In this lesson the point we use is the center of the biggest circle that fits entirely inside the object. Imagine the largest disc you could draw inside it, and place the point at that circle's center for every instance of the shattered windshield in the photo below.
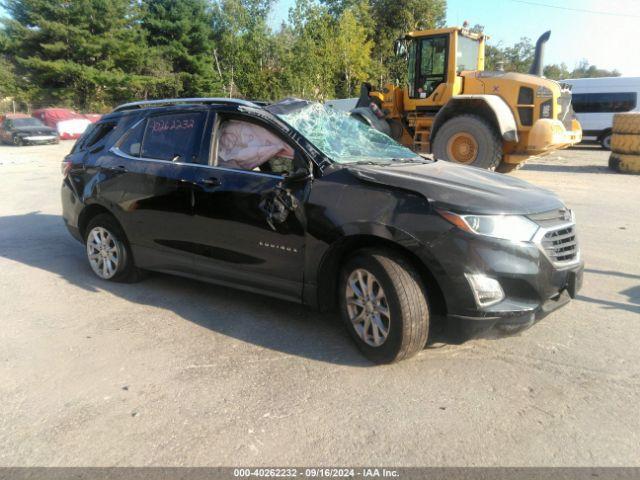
(344, 139)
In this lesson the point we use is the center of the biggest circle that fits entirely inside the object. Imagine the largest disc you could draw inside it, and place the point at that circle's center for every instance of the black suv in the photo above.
(304, 203)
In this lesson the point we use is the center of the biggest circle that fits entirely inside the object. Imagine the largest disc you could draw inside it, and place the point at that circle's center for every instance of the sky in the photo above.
(606, 40)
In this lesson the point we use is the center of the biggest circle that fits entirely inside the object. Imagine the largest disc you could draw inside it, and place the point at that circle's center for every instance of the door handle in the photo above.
(209, 182)
(118, 168)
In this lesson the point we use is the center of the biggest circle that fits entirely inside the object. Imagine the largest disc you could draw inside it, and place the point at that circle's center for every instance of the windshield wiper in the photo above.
(411, 160)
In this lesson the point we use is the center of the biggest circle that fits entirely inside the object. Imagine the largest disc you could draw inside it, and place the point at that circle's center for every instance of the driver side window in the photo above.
(244, 145)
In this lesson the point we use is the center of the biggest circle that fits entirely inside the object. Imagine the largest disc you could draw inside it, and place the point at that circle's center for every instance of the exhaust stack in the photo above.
(538, 58)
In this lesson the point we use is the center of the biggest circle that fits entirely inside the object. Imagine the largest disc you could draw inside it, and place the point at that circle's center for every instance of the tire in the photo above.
(18, 141)
(115, 251)
(624, 163)
(605, 140)
(626, 123)
(625, 143)
(403, 298)
(509, 167)
(488, 144)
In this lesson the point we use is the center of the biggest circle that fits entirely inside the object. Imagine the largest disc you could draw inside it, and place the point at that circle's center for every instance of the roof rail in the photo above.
(177, 101)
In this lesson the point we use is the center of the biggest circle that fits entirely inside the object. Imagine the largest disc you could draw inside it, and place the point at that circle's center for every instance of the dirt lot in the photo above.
(176, 372)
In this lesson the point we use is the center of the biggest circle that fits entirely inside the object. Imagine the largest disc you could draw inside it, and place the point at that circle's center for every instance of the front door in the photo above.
(249, 221)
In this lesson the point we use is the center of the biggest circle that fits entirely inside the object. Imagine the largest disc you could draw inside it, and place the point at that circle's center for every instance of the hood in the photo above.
(525, 78)
(42, 129)
(462, 189)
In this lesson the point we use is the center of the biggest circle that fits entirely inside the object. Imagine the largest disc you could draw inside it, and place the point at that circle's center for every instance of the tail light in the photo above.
(65, 167)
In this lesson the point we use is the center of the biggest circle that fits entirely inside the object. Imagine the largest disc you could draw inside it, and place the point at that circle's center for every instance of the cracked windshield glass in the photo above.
(344, 139)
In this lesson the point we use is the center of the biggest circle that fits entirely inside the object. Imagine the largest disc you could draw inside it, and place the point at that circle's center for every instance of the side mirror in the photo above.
(300, 175)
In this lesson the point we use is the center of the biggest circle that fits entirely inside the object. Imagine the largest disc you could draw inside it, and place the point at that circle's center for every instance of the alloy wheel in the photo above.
(104, 252)
(367, 307)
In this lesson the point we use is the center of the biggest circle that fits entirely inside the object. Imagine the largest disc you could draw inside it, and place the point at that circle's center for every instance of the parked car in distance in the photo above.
(596, 100)
(69, 124)
(21, 129)
(308, 204)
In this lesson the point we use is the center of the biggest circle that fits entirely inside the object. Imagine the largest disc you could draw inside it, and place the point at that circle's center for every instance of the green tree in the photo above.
(584, 70)
(83, 53)
(353, 50)
(246, 49)
(179, 35)
(312, 66)
(556, 72)
(394, 18)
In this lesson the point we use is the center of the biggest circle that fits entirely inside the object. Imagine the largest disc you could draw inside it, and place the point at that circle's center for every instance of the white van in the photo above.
(595, 100)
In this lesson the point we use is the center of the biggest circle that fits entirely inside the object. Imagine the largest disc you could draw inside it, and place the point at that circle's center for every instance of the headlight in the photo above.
(508, 227)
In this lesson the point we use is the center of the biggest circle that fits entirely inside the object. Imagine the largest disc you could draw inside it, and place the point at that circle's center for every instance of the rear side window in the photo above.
(173, 137)
(604, 102)
(98, 133)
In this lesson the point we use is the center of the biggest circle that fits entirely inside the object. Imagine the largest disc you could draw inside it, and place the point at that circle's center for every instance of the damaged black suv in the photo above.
(304, 203)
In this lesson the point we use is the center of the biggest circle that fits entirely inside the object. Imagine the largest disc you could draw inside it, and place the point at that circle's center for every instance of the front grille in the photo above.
(561, 245)
(557, 236)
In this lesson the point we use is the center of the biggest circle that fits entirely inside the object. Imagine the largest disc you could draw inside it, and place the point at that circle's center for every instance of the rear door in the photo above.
(154, 166)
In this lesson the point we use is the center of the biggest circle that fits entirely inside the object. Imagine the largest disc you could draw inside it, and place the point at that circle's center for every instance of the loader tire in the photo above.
(626, 123)
(625, 163)
(625, 143)
(469, 140)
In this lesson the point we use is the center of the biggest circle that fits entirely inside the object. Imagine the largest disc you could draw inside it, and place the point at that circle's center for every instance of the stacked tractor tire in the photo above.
(625, 143)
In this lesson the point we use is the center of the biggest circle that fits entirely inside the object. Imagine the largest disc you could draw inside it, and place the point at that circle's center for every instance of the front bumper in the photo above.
(533, 286)
(39, 139)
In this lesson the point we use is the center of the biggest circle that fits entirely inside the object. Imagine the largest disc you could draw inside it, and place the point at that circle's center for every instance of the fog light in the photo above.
(487, 291)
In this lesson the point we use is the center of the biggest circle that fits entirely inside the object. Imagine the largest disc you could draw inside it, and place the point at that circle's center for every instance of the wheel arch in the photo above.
(89, 212)
(347, 246)
(604, 133)
(489, 107)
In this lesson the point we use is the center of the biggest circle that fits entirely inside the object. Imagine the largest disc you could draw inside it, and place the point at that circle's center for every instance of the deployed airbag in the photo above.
(246, 145)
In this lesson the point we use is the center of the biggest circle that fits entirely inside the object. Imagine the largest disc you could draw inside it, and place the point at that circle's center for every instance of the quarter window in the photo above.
(604, 102)
(173, 137)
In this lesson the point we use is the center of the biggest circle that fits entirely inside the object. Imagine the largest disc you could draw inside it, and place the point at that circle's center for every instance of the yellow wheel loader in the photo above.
(454, 109)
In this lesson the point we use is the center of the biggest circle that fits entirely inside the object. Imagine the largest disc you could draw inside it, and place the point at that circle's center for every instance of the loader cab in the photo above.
(435, 59)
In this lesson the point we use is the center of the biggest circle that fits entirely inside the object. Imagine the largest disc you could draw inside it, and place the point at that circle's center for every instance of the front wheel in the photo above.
(383, 306)
(470, 140)
(18, 141)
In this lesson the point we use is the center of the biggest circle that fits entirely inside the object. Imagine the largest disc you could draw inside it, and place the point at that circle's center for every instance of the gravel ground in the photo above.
(175, 372)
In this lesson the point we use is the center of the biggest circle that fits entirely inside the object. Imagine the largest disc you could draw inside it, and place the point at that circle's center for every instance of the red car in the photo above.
(69, 124)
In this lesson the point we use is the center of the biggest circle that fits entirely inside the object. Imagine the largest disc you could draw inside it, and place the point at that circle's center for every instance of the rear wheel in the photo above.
(108, 250)
(470, 140)
(605, 140)
(384, 306)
